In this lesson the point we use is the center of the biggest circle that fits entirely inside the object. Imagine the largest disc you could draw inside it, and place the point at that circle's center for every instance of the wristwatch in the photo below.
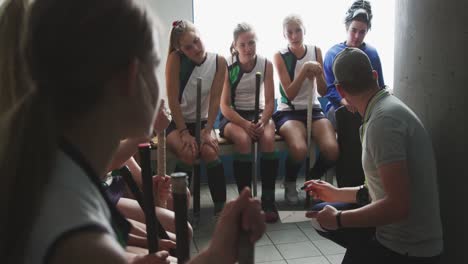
(362, 196)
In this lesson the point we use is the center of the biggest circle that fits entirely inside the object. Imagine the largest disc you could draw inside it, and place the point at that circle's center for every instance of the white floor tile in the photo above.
(304, 225)
(267, 253)
(273, 262)
(335, 259)
(298, 250)
(292, 243)
(286, 236)
(312, 234)
(328, 247)
(279, 226)
(263, 241)
(309, 260)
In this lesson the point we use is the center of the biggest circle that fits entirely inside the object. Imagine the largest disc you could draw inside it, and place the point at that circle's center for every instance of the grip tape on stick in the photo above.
(309, 162)
(161, 161)
(246, 249)
(138, 195)
(148, 199)
(310, 99)
(198, 112)
(258, 78)
(179, 187)
(196, 170)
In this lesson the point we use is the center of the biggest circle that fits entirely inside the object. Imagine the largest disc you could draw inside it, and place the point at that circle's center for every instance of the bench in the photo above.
(226, 148)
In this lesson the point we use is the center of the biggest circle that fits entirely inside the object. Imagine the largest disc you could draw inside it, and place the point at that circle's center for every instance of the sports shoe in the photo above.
(290, 193)
(218, 208)
(271, 212)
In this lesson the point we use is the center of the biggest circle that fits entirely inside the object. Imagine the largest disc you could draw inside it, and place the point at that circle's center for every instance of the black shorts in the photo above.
(280, 117)
(116, 189)
(246, 114)
(190, 126)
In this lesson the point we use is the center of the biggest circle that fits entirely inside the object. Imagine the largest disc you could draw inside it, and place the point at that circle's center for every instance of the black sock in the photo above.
(269, 172)
(292, 169)
(321, 166)
(216, 181)
(242, 174)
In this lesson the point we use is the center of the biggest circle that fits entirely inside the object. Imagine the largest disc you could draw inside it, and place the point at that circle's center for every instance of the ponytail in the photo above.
(172, 41)
(27, 151)
(233, 50)
(179, 27)
(240, 28)
(13, 81)
(27, 137)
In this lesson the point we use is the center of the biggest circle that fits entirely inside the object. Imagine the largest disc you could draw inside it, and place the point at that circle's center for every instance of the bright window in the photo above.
(323, 20)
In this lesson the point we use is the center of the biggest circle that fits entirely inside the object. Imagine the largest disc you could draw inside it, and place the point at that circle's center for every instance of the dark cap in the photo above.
(352, 66)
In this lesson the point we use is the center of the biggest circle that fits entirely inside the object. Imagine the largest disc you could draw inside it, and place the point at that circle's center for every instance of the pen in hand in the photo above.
(308, 185)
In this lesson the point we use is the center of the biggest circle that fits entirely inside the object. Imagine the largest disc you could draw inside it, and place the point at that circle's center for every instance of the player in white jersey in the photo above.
(238, 110)
(300, 69)
(187, 61)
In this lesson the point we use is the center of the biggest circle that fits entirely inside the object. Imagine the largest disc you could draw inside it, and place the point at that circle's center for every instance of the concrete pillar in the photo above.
(431, 76)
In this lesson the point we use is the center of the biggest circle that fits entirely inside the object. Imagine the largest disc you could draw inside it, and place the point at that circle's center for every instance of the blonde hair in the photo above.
(293, 18)
(239, 29)
(69, 60)
(12, 71)
(179, 27)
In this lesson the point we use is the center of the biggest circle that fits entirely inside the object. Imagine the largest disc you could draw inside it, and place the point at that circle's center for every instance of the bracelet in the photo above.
(338, 219)
(362, 196)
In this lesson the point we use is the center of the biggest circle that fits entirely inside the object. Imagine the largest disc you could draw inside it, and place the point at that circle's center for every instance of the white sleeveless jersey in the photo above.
(243, 84)
(293, 66)
(189, 72)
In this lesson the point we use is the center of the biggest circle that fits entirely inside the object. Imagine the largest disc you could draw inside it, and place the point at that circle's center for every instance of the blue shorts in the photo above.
(116, 189)
(246, 114)
(190, 126)
(280, 117)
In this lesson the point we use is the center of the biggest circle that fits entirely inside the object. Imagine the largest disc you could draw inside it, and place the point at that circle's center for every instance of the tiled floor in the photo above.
(283, 243)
